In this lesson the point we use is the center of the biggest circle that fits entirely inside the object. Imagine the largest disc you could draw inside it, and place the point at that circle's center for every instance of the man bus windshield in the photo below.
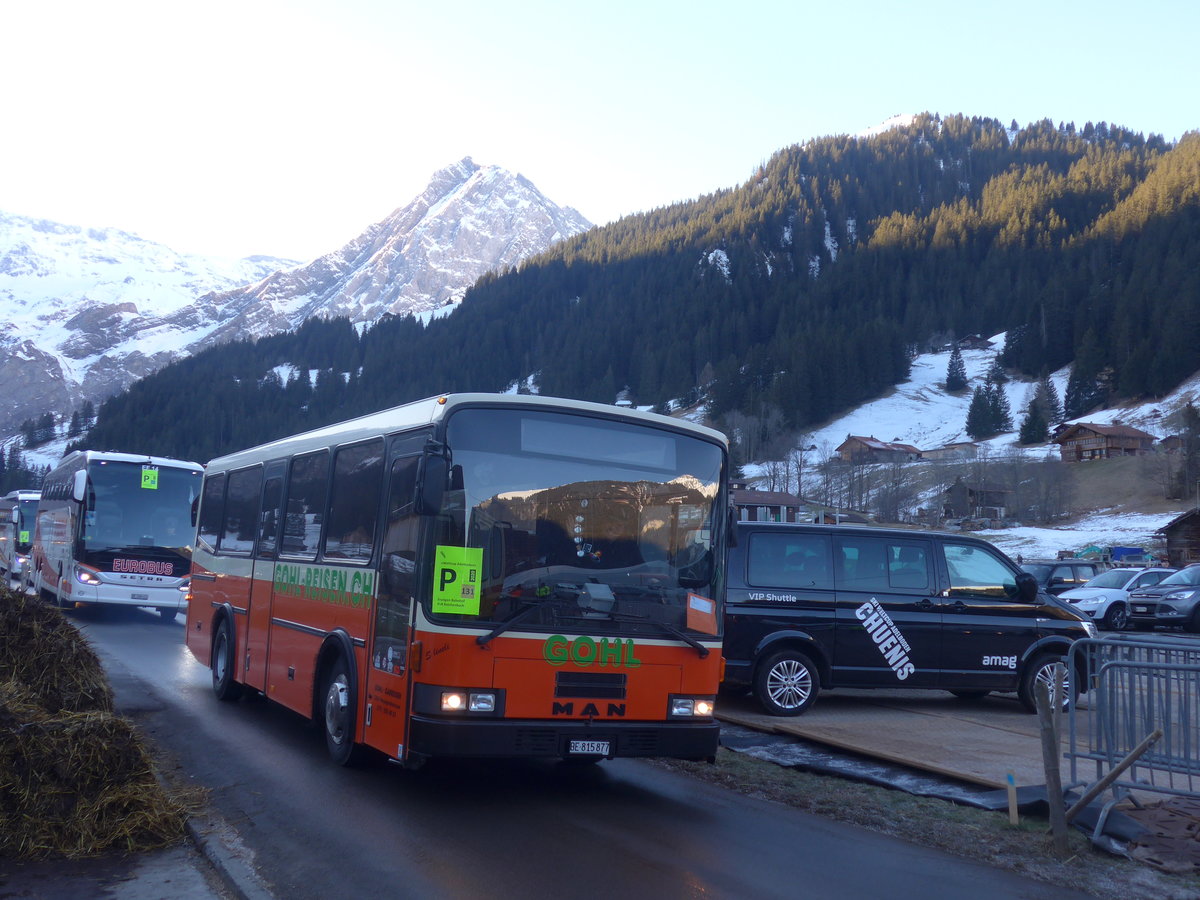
(572, 523)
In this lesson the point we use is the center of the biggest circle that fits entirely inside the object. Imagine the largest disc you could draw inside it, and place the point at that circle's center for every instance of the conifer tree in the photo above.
(956, 372)
(1034, 428)
(979, 416)
(998, 408)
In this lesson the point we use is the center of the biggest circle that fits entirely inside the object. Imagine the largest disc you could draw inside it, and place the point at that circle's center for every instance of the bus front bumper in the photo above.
(526, 738)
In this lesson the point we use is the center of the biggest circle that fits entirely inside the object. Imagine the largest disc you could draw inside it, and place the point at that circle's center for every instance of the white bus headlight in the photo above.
(482, 703)
(453, 701)
(691, 707)
(86, 574)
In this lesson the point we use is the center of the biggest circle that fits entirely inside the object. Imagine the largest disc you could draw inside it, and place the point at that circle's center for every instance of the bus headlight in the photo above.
(481, 702)
(185, 585)
(692, 707)
(86, 574)
(475, 701)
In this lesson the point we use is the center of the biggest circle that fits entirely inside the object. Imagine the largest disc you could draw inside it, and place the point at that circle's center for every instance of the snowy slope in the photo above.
(921, 413)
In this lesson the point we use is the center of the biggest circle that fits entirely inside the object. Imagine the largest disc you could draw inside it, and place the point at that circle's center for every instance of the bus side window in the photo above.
(268, 517)
(212, 510)
(305, 507)
(354, 505)
(397, 568)
(241, 510)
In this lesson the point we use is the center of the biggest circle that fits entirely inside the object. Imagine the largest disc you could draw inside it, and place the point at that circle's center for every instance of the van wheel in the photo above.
(786, 683)
(223, 664)
(1116, 618)
(1039, 676)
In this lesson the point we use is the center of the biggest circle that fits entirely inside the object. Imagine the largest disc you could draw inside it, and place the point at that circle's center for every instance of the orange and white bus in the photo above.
(473, 575)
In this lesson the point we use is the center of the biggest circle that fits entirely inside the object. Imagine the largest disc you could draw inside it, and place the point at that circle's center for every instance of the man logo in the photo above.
(1009, 662)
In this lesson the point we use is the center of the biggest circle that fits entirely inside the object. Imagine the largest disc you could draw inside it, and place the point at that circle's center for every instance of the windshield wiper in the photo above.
(664, 626)
(521, 614)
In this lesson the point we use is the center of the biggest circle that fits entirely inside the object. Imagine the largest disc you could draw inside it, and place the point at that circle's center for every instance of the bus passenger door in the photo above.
(386, 721)
(254, 656)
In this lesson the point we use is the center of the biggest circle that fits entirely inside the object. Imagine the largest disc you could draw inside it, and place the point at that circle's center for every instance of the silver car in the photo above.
(1106, 597)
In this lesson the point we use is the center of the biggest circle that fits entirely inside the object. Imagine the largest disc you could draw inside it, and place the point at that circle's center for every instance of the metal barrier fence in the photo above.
(1138, 684)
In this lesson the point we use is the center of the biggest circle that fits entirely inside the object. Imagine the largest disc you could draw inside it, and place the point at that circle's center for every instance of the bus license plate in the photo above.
(141, 596)
(592, 748)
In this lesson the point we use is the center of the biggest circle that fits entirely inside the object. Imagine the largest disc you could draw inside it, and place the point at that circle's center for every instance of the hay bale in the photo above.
(44, 652)
(78, 784)
(75, 779)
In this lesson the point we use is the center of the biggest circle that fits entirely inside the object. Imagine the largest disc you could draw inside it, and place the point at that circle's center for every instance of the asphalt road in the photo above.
(497, 829)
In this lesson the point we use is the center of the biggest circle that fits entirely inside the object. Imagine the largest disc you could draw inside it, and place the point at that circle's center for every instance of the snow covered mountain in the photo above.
(86, 311)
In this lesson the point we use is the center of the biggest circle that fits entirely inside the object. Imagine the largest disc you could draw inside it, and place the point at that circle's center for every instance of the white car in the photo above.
(1106, 597)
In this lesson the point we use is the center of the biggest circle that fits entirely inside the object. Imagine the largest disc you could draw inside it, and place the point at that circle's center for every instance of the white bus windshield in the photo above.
(130, 505)
(567, 520)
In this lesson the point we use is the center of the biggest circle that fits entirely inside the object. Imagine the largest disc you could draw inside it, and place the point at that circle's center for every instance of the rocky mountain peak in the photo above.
(89, 311)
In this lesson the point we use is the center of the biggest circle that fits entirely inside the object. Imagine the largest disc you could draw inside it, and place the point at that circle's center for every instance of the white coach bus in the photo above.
(18, 510)
(115, 528)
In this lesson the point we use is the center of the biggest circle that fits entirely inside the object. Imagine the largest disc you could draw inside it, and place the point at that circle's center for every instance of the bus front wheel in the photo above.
(223, 664)
(338, 712)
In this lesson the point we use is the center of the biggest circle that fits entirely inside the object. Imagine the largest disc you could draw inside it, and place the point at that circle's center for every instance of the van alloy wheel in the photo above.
(786, 684)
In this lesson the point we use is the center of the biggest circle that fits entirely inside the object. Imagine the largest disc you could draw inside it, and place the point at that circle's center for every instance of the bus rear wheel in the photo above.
(338, 712)
(223, 664)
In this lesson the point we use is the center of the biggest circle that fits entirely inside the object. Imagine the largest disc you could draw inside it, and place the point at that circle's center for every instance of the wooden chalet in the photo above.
(962, 501)
(767, 506)
(1183, 538)
(859, 449)
(974, 342)
(1086, 440)
(961, 450)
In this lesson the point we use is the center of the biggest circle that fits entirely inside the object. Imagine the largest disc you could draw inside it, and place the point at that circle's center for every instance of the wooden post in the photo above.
(1046, 700)
(1013, 818)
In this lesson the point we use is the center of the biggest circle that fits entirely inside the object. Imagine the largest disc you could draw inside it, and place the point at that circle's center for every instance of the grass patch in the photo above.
(964, 831)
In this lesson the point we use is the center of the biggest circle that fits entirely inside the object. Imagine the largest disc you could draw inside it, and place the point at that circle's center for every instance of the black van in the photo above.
(812, 606)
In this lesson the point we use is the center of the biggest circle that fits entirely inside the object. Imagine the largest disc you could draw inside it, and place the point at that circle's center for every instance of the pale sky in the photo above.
(286, 127)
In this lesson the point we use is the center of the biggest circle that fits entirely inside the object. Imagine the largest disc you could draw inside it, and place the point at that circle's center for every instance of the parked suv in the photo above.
(1173, 601)
(1061, 575)
(1106, 597)
(829, 606)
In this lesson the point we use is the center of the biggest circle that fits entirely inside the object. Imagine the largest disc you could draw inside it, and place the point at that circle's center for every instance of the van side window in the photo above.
(241, 511)
(305, 507)
(862, 564)
(908, 566)
(974, 572)
(871, 564)
(354, 506)
(789, 560)
(212, 510)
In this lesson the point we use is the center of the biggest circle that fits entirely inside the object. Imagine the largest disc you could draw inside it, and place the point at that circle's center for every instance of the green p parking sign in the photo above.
(456, 573)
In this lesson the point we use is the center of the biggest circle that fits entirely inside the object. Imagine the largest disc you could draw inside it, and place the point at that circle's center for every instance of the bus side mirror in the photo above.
(731, 525)
(79, 486)
(435, 469)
